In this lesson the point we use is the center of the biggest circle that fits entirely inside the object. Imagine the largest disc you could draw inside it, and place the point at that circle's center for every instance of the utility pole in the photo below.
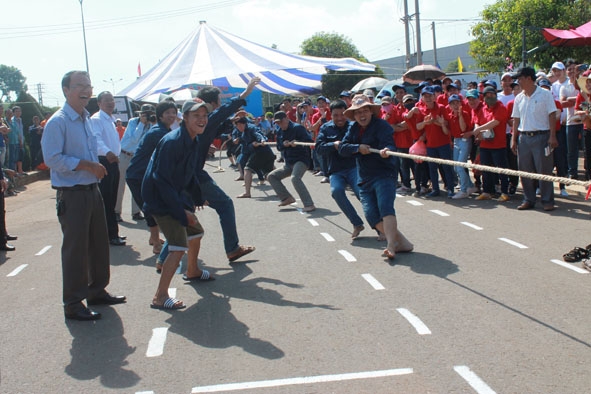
(418, 22)
(406, 34)
(40, 93)
(434, 45)
(84, 34)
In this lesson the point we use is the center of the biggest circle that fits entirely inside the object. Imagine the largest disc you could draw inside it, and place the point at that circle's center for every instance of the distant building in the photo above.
(394, 67)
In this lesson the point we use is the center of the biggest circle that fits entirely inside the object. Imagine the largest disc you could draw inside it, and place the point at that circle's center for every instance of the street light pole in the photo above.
(112, 82)
(84, 35)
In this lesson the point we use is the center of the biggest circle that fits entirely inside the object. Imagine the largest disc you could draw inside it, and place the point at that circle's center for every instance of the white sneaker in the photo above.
(472, 190)
(460, 195)
(563, 193)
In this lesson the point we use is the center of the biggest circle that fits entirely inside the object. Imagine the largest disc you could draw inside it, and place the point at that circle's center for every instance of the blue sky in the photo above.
(44, 38)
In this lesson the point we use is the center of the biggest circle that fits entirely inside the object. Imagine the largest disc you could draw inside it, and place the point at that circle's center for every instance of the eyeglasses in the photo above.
(80, 86)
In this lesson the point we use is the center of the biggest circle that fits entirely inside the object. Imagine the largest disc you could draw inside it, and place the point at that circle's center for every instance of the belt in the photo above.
(534, 133)
(127, 153)
(76, 187)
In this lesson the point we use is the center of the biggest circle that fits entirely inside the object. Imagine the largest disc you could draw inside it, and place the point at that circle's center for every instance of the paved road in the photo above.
(482, 305)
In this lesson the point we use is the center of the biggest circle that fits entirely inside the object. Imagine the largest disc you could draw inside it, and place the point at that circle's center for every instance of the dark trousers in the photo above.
(3, 232)
(108, 186)
(511, 161)
(135, 186)
(560, 154)
(85, 246)
(494, 158)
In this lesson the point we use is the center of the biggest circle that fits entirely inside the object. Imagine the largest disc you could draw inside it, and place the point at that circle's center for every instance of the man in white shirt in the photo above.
(534, 123)
(109, 148)
(574, 123)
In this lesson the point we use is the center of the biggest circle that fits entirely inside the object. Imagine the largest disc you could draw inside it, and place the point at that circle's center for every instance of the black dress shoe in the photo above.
(137, 216)
(118, 217)
(107, 299)
(11, 237)
(83, 314)
(117, 241)
(7, 247)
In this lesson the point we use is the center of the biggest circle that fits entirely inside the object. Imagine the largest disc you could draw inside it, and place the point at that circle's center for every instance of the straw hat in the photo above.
(360, 101)
(582, 81)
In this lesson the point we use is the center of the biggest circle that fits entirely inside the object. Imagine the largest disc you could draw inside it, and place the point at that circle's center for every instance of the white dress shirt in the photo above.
(107, 137)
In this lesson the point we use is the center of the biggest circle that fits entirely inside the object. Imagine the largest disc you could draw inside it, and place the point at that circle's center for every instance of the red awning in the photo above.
(580, 36)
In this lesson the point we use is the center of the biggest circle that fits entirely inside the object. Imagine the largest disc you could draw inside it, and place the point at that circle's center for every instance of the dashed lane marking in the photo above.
(327, 237)
(421, 328)
(313, 222)
(18, 269)
(570, 266)
(475, 227)
(517, 244)
(438, 212)
(348, 256)
(144, 392)
(415, 203)
(42, 251)
(156, 344)
(473, 380)
(373, 282)
(301, 380)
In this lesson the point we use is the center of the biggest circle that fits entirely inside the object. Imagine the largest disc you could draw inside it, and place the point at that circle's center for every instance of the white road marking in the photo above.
(301, 380)
(172, 292)
(473, 380)
(313, 222)
(475, 227)
(348, 256)
(42, 251)
(520, 246)
(415, 203)
(156, 344)
(421, 328)
(570, 266)
(373, 282)
(438, 212)
(18, 269)
(327, 237)
(144, 392)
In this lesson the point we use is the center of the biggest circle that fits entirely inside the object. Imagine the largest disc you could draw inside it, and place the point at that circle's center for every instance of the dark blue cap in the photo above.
(453, 97)
(384, 93)
(427, 90)
(544, 82)
(345, 93)
(491, 83)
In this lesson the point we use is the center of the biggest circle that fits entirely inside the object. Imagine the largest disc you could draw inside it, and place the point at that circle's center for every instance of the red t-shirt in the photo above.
(434, 133)
(558, 107)
(453, 122)
(496, 112)
(402, 139)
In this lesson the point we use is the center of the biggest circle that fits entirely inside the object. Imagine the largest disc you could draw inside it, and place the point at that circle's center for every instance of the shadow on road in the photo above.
(99, 349)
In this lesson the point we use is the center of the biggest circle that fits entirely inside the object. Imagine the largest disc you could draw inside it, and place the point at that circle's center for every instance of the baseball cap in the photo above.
(505, 75)
(279, 115)
(422, 86)
(453, 97)
(491, 83)
(427, 90)
(472, 93)
(192, 106)
(321, 98)
(489, 89)
(384, 93)
(525, 72)
(345, 93)
(544, 82)
(368, 93)
(437, 88)
(558, 65)
(408, 97)
(452, 86)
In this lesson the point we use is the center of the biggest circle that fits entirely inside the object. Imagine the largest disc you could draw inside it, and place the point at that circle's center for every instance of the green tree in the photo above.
(336, 45)
(498, 38)
(452, 67)
(30, 107)
(11, 80)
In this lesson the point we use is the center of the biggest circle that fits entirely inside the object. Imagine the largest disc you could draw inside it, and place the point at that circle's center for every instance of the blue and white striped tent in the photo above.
(213, 57)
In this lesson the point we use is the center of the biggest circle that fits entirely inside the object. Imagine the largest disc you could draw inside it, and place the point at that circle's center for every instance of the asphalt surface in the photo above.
(482, 305)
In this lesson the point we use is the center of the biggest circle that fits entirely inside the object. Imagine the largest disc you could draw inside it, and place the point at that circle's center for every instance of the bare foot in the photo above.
(357, 230)
(389, 254)
(289, 200)
(243, 195)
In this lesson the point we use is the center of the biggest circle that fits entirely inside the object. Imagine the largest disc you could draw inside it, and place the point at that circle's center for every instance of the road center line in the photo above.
(473, 380)
(475, 227)
(438, 212)
(414, 202)
(570, 266)
(348, 256)
(327, 237)
(421, 328)
(520, 246)
(373, 282)
(144, 392)
(18, 269)
(156, 344)
(313, 222)
(301, 380)
(42, 251)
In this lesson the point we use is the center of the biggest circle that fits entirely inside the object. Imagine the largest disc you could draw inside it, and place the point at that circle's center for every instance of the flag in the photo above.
(460, 66)
(139, 69)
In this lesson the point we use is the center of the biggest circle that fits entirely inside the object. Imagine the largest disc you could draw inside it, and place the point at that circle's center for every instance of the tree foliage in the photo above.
(452, 67)
(336, 45)
(498, 38)
(11, 80)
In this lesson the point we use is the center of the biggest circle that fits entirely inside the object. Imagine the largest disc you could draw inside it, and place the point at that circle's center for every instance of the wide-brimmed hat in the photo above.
(582, 81)
(360, 101)
(146, 108)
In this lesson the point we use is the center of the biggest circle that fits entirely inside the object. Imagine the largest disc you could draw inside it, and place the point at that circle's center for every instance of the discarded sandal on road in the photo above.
(241, 251)
(576, 254)
(587, 264)
(205, 277)
(170, 303)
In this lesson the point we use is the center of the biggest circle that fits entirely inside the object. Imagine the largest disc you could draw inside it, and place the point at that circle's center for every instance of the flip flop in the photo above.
(170, 303)
(205, 277)
(242, 251)
(575, 255)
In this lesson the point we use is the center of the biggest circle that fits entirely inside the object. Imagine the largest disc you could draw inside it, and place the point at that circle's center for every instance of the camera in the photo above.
(152, 118)
(585, 106)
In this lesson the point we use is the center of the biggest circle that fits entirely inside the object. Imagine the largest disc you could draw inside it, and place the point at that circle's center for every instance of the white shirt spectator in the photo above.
(533, 111)
(107, 137)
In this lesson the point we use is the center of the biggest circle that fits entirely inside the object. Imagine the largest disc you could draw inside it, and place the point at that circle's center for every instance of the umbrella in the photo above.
(369, 83)
(419, 73)
(580, 36)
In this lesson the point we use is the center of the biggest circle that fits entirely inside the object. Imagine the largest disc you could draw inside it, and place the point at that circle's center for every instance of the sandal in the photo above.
(575, 255)
(587, 264)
